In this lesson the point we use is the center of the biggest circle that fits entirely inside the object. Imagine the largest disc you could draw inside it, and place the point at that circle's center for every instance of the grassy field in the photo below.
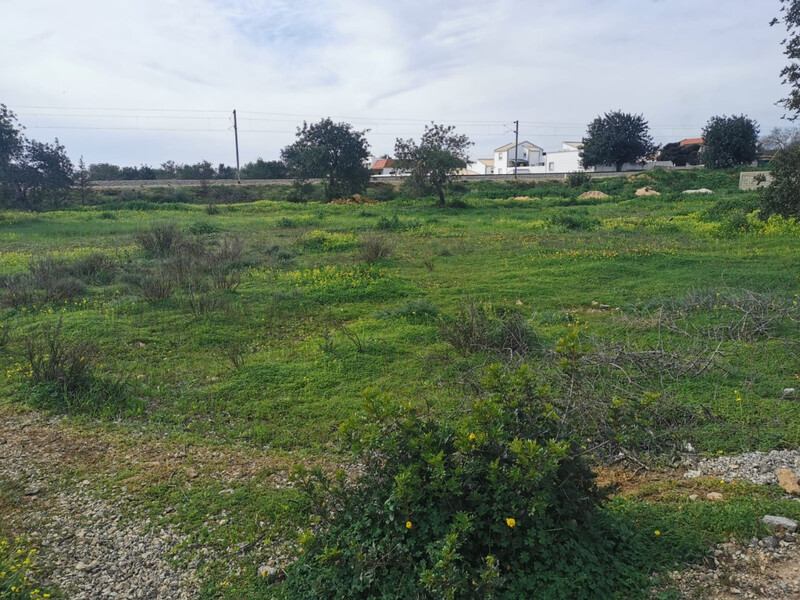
(657, 321)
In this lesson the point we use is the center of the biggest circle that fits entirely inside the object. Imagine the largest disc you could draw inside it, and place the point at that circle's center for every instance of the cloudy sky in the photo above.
(156, 80)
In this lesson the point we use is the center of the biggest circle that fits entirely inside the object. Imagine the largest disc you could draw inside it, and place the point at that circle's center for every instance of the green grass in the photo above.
(315, 327)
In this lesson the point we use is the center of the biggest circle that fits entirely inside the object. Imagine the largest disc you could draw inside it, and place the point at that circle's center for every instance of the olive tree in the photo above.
(433, 162)
(729, 141)
(617, 138)
(334, 152)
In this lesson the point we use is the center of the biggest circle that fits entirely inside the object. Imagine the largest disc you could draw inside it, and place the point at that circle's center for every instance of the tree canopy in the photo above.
(730, 141)
(332, 151)
(680, 155)
(31, 173)
(790, 17)
(439, 155)
(617, 138)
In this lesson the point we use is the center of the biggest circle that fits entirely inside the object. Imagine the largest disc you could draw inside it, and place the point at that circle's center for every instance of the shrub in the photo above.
(159, 239)
(382, 192)
(155, 287)
(202, 228)
(575, 220)
(578, 179)
(95, 268)
(57, 361)
(416, 311)
(17, 291)
(478, 328)
(375, 247)
(495, 503)
(782, 197)
(56, 278)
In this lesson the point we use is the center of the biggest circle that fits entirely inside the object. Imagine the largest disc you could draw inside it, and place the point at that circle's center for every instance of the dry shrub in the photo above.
(375, 247)
(160, 239)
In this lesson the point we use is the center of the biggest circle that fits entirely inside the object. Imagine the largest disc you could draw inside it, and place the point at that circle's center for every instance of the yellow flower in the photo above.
(471, 437)
(657, 532)
(409, 524)
(511, 522)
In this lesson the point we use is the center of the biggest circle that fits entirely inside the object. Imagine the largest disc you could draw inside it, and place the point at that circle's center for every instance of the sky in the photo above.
(156, 80)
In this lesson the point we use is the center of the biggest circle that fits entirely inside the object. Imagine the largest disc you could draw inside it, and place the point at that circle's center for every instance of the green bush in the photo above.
(495, 503)
(782, 197)
(159, 239)
(575, 220)
(479, 328)
(578, 179)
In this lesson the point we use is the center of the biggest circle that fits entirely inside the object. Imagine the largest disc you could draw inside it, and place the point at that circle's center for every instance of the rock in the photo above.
(700, 191)
(788, 392)
(714, 496)
(775, 522)
(693, 497)
(592, 194)
(647, 191)
(33, 491)
(787, 479)
(191, 473)
(226, 491)
(267, 571)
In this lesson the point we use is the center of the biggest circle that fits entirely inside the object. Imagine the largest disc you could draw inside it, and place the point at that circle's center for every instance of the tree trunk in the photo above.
(440, 191)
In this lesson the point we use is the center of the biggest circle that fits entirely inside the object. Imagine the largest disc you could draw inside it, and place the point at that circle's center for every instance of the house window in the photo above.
(551, 167)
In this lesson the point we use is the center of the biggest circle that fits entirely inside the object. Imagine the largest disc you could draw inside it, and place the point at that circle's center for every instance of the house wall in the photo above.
(563, 162)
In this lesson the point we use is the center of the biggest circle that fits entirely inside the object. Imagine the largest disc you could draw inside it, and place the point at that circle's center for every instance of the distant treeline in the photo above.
(259, 169)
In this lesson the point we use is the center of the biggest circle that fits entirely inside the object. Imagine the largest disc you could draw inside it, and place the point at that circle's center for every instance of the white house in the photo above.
(525, 153)
(566, 160)
(482, 166)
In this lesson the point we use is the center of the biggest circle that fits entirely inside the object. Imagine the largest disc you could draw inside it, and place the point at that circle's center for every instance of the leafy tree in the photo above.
(104, 172)
(729, 141)
(782, 197)
(681, 155)
(432, 163)
(332, 151)
(790, 17)
(617, 138)
(264, 169)
(32, 173)
(779, 138)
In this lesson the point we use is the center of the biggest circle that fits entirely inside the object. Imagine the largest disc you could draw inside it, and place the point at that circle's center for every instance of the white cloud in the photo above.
(553, 66)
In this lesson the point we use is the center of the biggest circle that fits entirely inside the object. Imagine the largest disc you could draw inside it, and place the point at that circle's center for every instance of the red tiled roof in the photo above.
(383, 163)
(692, 141)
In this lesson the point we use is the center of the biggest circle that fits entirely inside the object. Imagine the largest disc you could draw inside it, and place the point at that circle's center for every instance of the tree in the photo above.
(782, 197)
(617, 138)
(264, 169)
(32, 173)
(680, 155)
(790, 17)
(729, 141)
(83, 181)
(332, 151)
(432, 163)
(780, 138)
(104, 172)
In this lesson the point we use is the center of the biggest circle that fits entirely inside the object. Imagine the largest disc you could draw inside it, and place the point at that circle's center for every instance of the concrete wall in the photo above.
(748, 181)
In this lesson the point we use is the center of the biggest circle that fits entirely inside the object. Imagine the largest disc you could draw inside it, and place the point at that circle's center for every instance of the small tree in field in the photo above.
(433, 162)
(790, 17)
(617, 138)
(730, 141)
(83, 182)
(332, 151)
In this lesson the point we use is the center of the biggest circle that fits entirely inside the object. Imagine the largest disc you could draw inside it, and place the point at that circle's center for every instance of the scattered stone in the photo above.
(788, 392)
(782, 523)
(647, 191)
(267, 571)
(226, 491)
(714, 496)
(787, 479)
(755, 467)
(700, 191)
(693, 497)
(33, 491)
(191, 473)
(592, 194)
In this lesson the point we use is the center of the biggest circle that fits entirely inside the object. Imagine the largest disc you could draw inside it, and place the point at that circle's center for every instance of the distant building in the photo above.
(384, 166)
(525, 154)
(692, 142)
(482, 166)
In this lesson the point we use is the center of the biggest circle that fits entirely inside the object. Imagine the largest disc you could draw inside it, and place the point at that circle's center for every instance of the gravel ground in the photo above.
(755, 467)
(91, 551)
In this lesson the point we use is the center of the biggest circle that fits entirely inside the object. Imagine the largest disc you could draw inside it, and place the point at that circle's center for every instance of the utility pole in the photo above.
(236, 137)
(516, 144)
